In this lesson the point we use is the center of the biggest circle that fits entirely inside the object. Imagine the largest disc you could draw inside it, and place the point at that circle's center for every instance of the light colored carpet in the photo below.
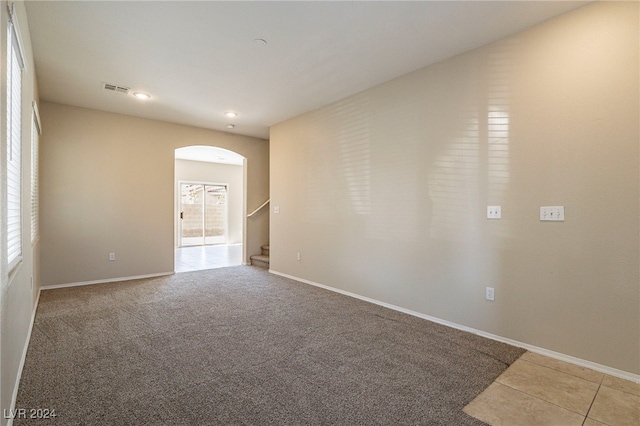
(241, 346)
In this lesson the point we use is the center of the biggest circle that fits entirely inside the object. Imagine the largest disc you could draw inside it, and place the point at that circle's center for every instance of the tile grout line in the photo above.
(599, 383)
(593, 400)
(617, 389)
(568, 373)
(547, 402)
(572, 375)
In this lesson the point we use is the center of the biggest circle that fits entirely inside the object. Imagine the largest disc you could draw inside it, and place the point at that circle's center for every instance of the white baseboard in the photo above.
(542, 351)
(110, 280)
(16, 386)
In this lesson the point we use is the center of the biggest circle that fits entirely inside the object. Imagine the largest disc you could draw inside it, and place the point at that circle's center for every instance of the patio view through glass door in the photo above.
(203, 214)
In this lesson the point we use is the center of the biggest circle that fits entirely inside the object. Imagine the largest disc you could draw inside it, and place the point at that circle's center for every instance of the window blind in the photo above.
(35, 153)
(15, 65)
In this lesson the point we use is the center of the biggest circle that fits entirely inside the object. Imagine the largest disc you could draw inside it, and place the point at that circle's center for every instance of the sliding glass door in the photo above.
(203, 214)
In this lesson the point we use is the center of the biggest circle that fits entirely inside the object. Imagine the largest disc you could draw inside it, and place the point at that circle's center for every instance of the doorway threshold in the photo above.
(197, 258)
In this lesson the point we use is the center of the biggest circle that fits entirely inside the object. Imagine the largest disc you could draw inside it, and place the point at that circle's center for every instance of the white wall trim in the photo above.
(23, 359)
(111, 280)
(542, 351)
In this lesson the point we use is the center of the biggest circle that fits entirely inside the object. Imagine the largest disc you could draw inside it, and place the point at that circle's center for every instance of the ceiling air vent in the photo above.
(115, 88)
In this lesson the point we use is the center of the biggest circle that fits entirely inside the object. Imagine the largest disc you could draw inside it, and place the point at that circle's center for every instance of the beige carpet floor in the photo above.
(241, 346)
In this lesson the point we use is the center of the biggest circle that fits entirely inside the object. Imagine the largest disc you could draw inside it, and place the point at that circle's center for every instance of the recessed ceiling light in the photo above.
(230, 126)
(231, 114)
(141, 95)
(260, 41)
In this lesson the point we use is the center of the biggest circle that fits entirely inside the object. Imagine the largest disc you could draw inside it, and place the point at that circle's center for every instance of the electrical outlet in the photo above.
(276, 209)
(494, 212)
(490, 293)
(298, 257)
(112, 256)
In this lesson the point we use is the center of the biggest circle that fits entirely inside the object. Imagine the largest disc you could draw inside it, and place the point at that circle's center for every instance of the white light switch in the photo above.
(490, 294)
(494, 212)
(553, 213)
(276, 209)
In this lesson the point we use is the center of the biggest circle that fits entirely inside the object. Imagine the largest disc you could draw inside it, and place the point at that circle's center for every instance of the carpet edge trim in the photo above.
(532, 348)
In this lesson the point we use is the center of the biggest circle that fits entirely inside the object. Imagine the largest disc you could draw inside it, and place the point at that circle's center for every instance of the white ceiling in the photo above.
(198, 59)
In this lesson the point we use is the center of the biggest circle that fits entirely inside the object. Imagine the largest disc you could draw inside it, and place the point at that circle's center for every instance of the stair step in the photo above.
(265, 250)
(259, 260)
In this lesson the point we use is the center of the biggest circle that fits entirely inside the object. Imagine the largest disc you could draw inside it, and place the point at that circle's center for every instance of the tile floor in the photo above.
(537, 390)
(197, 258)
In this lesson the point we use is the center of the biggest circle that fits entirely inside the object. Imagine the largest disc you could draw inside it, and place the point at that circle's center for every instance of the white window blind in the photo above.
(15, 65)
(35, 153)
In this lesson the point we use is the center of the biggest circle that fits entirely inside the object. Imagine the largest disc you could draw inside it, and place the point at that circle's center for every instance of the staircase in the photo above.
(262, 259)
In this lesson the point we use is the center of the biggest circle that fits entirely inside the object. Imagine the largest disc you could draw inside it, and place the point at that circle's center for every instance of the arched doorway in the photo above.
(210, 194)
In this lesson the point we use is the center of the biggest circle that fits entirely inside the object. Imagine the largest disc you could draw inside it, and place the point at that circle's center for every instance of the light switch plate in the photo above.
(552, 213)
(276, 209)
(494, 212)
(490, 294)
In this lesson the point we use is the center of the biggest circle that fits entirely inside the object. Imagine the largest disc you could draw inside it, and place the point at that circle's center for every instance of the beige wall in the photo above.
(19, 287)
(202, 172)
(384, 194)
(108, 186)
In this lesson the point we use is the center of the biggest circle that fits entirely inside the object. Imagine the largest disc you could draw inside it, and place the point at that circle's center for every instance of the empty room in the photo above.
(311, 212)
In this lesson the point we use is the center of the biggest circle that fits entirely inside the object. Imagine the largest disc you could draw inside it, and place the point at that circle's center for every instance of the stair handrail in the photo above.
(259, 208)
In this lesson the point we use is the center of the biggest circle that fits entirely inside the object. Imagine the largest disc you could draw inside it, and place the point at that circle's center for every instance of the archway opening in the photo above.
(210, 199)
